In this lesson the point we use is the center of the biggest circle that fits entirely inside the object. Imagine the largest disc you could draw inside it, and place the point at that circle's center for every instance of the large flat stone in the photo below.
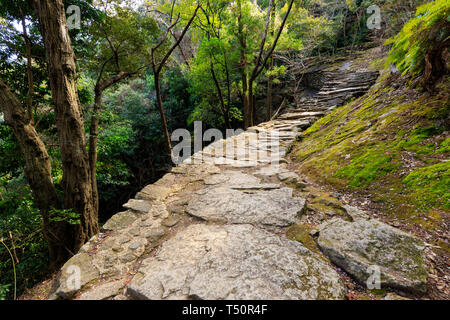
(288, 177)
(154, 192)
(270, 170)
(140, 206)
(234, 262)
(231, 178)
(103, 291)
(75, 274)
(268, 207)
(119, 221)
(360, 246)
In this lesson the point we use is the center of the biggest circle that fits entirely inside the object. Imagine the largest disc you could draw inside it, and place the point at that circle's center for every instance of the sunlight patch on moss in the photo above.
(364, 169)
(431, 184)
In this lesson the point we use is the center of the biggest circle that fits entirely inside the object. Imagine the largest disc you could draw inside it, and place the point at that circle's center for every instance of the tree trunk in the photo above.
(100, 87)
(93, 141)
(435, 65)
(76, 181)
(270, 81)
(161, 112)
(37, 171)
(157, 68)
(244, 67)
(220, 93)
(29, 69)
(251, 103)
(269, 92)
(246, 100)
(227, 72)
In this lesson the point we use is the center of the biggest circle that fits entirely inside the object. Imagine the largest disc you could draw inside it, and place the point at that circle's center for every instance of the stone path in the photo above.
(213, 228)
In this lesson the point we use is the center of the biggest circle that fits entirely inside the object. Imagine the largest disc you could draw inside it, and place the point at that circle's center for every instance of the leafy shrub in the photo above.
(20, 227)
(4, 289)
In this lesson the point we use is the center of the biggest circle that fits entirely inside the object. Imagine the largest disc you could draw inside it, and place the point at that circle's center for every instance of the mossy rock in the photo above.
(301, 233)
(324, 203)
(359, 247)
(74, 275)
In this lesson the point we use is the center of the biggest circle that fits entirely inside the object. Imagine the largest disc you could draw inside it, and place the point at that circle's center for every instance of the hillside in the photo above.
(387, 152)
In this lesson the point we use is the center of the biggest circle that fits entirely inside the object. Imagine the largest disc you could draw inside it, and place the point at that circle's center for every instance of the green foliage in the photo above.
(131, 138)
(10, 151)
(66, 215)
(85, 92)
(4, 289)
(126, 30)
(19, 219)
(316, 33)
(428, 28)
(217, 55)
(179, 98)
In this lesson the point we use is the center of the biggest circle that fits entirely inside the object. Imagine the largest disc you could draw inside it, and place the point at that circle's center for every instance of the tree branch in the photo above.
(186, 28)
(280, 31)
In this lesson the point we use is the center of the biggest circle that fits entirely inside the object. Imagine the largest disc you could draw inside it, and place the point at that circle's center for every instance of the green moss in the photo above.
(414, 141)
(365, 168)
(444, 146)
(438, 108)
(377, 64)
(300, 233)
(431, 184)
(378, 292)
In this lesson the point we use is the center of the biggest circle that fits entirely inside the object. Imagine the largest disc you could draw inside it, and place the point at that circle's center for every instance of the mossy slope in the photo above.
(391, 145)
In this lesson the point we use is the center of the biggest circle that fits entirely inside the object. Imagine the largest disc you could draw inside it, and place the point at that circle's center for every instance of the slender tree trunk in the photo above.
(251, 103)
(262, 61)
(246, 108)
(93, 141)
(227, 72)
(270, 81)
(220, 93)
(244, 67)
(37, 171)
(29, 69)
(161, 112)
(76, 181)
(100, 87)
(157, 68)
(269, 92)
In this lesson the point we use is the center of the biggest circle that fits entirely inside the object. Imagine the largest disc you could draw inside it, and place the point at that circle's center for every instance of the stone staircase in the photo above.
(213, 228)
(338, 87)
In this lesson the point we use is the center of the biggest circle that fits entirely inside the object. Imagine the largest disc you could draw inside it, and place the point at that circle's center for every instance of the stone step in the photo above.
(300, 115)
(327, 93)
